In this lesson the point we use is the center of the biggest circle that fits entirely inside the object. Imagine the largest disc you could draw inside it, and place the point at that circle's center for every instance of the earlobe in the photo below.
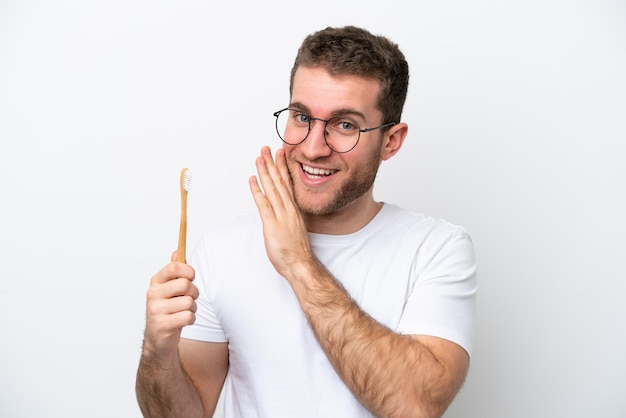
(394, 140)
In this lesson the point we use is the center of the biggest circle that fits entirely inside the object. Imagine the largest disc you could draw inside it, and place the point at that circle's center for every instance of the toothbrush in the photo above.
(185, 178)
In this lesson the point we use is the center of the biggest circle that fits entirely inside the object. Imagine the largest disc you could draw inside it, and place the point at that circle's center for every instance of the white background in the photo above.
(517, 115)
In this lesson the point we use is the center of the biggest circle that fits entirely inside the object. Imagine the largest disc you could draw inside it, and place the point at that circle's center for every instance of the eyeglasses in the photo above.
(341, 133)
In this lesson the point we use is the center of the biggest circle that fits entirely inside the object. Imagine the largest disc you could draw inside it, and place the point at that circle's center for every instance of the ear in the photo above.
(394, 138)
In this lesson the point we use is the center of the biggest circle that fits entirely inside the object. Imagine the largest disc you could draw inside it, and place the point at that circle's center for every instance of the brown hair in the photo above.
(356, 51)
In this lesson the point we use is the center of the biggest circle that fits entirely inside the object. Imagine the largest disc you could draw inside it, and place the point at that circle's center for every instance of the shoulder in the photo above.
(410, 222)
(428, 240)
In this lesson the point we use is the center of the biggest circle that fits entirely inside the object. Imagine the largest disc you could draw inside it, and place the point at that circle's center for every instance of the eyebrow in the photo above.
(334, 113)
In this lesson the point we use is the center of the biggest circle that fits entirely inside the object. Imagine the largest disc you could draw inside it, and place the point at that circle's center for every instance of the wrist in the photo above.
(304, 270)
(164, 357)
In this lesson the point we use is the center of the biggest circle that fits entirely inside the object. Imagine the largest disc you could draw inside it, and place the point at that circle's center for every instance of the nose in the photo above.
(315, 144)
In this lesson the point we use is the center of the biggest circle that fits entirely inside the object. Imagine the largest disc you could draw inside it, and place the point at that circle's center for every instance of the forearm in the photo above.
(392, 375)
(164, 390)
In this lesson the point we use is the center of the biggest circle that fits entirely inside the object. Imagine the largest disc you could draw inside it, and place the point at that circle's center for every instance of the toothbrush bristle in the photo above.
(186, 180)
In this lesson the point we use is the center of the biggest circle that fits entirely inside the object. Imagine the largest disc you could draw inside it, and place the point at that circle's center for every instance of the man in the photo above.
(324, 302)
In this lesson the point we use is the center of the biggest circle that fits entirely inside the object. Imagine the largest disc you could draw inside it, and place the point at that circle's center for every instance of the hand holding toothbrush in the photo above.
(171, 297)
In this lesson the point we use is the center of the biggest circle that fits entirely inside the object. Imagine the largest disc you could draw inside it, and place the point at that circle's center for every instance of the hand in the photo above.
(286, 237)
(170, 306)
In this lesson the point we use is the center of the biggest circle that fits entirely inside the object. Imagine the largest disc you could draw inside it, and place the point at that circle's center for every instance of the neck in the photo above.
(346, 220)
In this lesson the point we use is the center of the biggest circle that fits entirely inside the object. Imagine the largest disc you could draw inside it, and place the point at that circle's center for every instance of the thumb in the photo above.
(173, 257)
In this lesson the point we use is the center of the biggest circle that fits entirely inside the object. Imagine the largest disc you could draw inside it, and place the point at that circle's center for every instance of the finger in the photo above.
(281, 164)
(168, 306)
(182, 319)
(264, 206)
(275, 187)
(170, 324)
(181, 287)
(265, 166)
(180, 304)
(172, 271)
(171, 289)
(275, 167)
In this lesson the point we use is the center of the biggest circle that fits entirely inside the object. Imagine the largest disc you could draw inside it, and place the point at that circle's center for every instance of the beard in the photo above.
(356, 186)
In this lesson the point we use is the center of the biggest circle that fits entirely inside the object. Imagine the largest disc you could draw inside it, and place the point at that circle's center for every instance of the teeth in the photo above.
(317, 171)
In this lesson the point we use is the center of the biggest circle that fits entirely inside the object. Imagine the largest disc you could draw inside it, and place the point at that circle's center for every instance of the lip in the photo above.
(312, 176)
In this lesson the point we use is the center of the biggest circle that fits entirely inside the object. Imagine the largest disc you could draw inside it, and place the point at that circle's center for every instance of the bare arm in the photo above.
(393, 375)
(177, 378)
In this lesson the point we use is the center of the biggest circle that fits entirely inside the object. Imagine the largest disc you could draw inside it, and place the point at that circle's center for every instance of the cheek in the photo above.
(362, 158)
(290, 155)
(289, 151)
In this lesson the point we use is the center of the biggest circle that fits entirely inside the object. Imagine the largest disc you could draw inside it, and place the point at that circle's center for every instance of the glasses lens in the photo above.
(292, 126)
(342, 134)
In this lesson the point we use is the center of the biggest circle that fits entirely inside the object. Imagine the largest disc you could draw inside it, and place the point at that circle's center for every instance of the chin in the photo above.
(315, 209)
(322, 204)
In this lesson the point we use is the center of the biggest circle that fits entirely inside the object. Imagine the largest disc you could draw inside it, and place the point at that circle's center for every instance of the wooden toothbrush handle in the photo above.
(181, 255)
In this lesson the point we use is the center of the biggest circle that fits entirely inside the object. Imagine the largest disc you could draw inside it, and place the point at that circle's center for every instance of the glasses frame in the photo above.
(277, 114)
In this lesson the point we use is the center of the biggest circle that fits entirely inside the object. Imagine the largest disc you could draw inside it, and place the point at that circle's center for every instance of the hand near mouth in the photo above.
(284, 230)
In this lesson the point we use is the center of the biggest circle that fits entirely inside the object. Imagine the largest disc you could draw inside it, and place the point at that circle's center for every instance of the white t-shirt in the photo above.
(414, 274)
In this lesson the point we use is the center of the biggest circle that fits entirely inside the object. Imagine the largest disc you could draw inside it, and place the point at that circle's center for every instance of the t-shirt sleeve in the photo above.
(443, 299)
(207, 326)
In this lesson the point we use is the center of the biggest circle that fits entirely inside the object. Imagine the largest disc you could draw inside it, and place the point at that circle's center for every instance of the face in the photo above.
(325, 182)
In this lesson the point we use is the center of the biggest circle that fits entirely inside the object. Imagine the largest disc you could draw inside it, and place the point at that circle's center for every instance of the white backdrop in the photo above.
(517, 129)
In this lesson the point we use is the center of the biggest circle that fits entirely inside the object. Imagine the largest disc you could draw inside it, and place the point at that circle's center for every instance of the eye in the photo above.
(346, 125)
(300, 117)
(343, 125)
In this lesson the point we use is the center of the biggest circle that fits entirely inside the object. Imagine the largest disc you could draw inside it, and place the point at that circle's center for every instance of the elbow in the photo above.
(435, 400)
(431, 396)
(419, 407)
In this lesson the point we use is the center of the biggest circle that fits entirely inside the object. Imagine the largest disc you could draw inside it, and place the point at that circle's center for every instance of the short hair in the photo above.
(355, 51)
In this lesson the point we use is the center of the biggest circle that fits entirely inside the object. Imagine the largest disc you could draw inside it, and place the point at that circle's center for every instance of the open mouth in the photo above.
(317, 173)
